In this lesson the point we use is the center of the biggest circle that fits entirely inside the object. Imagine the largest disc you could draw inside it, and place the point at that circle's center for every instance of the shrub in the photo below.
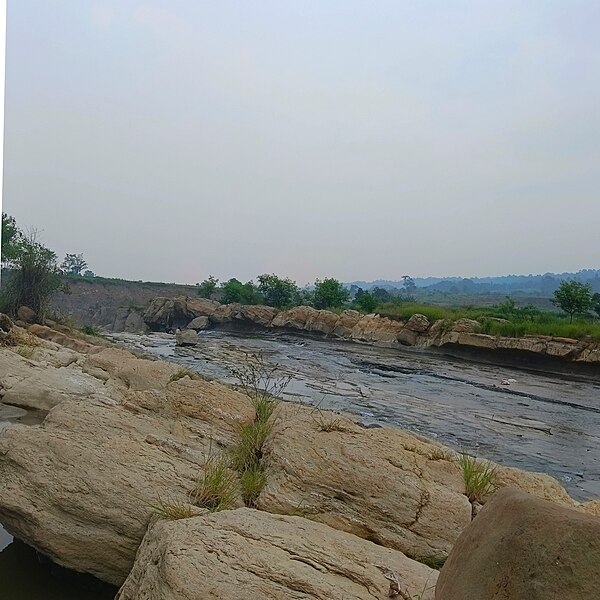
(91, 330)
(183, 373)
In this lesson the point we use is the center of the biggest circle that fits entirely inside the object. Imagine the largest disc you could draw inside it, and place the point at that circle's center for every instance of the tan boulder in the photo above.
(466, 326)
(26, 314)
(380, 484)
(32, 384)
(81, 487)
(186, 337)
(377, 329)
(295, 318)
(63, 339)
(346, 322)
(165, 313)
(131, 372)
(418, 323)
(252, 554)
(199, 323)
(324, 321)
(522, 547)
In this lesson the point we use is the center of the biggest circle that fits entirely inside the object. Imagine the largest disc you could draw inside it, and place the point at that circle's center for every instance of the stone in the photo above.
(26, 314)
(246, 553)
(63, 339)
(377, 329)
(466, 326)
(6, 323)
(418, 323)
(346, 322)
(81, 488)
(295, 318)
(187, 337)
(520, 547)
(368, 482)
(199, 323)
(171, 313)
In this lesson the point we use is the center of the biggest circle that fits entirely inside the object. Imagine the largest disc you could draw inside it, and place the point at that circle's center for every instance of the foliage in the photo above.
(242, 293)
(12, 238)
(208, 287)
(172, 509)
(479, 478)
(34, 277)
(74, 264)
(573, 297)
(596, 304)
(252, 482)
(329, 293)
(216, 489)
(89, 274)
(365, 301)
(278, 292)
(91, 330)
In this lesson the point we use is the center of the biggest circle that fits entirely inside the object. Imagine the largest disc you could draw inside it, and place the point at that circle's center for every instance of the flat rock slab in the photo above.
(246, 553)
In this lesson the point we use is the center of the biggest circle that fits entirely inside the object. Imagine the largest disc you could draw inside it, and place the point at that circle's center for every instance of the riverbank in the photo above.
(127, 439)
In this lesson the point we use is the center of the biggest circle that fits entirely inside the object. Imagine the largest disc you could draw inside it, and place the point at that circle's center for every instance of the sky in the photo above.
(172, 139)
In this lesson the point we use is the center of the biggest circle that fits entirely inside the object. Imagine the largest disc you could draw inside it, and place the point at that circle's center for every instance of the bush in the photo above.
(329, 293)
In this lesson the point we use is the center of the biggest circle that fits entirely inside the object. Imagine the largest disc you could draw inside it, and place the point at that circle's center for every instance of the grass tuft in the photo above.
(91, 330)
(183, 373)
(479, 477)
(217, 487)
(25, 351)
(328, 424)
(172, 510)
(252, 482)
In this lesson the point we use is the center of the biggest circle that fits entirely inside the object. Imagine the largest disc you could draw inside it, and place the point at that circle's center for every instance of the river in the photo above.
(539, 422)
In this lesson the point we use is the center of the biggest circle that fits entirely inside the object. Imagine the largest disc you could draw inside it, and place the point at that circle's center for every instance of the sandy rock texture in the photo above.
(519, 547)
(246, 553)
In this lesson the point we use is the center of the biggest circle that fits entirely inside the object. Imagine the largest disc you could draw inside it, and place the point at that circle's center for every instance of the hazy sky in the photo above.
(171, 139)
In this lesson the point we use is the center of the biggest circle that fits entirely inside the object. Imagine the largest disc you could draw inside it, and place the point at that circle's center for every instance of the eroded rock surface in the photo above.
(251, 554)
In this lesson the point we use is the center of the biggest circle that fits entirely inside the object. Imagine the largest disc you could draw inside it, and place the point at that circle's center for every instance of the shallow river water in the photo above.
(539, 422)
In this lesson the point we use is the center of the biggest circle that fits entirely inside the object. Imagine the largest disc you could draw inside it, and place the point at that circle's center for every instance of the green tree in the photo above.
(241, 293)
(12, 239)
(365, 302)
(596, 303)
(208, 287)
(278, 292)
(573, 297)
(329, 293)
(74, 264)
(34, 276)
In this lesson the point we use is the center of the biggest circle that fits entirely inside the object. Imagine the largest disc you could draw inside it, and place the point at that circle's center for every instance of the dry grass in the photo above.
(25, 351)
(328, 424)
(172, 509)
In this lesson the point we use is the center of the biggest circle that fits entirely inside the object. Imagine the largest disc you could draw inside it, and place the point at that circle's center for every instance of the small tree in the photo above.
(329, 293)
(74, 264)
(34, 277)
(278, 292)
(366, 302)
(208, 287)
(573, 297)
(89, 273)
(12, 239)
(242, 293)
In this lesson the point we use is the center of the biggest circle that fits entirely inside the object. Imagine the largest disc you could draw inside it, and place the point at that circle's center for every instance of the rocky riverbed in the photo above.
(120, 439)
(546, 423)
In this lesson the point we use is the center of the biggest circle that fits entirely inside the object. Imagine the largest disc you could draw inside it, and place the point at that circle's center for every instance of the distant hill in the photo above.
(543, 285)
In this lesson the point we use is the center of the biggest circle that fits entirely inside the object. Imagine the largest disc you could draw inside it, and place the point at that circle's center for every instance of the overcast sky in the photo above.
(171, 139)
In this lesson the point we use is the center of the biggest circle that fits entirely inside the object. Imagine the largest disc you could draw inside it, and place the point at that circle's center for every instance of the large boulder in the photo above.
(522, 547)
(63, 339)
(129, 320)
(33, 384)
(199, 323)
(252, 554)
(244, 314)
(26, 314)
(295, 318)
(81, 488)
(171, 313)
(377, 329)
(346, 322)
(186, 337)
(380, 484)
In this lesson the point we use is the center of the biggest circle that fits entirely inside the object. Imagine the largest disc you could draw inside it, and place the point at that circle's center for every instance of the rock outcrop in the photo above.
(522, 547)
(172, 313)
(252, 554)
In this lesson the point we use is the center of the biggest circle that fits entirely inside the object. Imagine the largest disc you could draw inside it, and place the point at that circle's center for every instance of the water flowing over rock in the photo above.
(251, 554)
(522, 547)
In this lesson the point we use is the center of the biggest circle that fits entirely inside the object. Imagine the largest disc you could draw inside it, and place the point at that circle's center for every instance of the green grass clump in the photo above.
(172, 510)
(91, 330)
(247, 453)
(217, 487)
(183, 373)
(479, 477)
(252, 482)
(25, 351)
